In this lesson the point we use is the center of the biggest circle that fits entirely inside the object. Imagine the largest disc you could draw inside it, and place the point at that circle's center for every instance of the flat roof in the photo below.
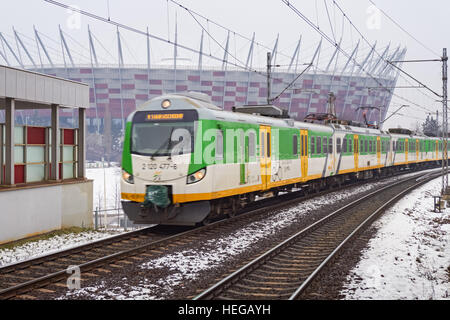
(32, 90)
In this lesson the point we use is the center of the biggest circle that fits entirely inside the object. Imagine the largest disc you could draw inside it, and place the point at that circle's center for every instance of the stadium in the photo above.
(117, 90)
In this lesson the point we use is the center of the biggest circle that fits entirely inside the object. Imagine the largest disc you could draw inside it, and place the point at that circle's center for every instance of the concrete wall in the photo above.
(30, 211)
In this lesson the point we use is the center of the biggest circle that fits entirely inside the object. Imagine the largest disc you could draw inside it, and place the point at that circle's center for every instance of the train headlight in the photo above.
(127, 177)
(196, 176)
(165, 104)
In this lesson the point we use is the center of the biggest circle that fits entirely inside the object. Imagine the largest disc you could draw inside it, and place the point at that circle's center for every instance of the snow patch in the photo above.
(409, 256)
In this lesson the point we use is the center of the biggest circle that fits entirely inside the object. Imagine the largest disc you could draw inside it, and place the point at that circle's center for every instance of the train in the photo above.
(186, 161)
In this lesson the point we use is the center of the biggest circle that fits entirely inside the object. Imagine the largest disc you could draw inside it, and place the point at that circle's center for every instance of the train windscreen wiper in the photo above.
(167, 141)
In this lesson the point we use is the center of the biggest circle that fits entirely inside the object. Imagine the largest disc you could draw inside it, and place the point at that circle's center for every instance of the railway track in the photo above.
(18, 279)
(289, 268)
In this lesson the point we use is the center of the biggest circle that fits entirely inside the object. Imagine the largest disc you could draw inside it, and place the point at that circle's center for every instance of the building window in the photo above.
(32, 153)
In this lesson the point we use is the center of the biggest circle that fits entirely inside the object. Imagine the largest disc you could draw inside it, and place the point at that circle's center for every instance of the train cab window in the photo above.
(294, 145)
(338, 145)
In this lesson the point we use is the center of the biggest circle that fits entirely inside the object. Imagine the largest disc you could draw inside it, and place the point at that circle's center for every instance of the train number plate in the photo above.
(160, 166)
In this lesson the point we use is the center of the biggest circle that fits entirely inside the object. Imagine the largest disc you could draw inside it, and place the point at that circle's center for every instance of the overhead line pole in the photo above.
(445, 123)
(445, 190)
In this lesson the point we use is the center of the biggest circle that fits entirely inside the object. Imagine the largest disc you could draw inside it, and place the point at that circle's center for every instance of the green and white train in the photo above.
(186, 161)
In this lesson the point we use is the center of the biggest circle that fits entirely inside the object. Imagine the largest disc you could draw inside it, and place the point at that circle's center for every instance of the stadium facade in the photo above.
(116, 91)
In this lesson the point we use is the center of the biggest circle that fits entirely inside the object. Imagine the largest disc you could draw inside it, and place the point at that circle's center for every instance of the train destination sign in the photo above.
(165, 116)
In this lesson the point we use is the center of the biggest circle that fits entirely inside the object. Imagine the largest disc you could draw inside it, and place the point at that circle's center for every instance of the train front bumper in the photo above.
(187, 214)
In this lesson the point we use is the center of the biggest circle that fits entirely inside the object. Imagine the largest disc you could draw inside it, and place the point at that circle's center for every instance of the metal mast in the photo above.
(445, 123)
(269, 66)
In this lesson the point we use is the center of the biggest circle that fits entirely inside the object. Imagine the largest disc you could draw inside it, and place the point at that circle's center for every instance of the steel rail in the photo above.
(258, 207)
(61, 253)
(363, 224)
(224, 284)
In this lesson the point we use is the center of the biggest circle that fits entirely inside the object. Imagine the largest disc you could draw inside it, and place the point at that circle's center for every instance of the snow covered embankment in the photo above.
(409, 258)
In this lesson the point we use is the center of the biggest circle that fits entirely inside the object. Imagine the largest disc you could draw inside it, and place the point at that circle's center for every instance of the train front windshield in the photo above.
(162, 133)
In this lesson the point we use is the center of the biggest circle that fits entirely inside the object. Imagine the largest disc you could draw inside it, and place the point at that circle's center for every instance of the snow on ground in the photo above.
(109, 177)
(56, 243)
(187, 265)
(409, 256)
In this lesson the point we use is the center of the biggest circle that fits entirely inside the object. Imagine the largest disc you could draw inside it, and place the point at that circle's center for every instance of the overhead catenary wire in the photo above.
(235, 58)
(404, 30)
(380, 56)
(223, 27)
(326, 37)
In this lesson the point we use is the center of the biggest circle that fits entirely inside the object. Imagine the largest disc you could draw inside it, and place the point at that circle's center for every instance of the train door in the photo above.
(356, 151)
(406, 149)
(417, 150)
(437, 149)
(265, 156)
(378, 151)
(304, 152)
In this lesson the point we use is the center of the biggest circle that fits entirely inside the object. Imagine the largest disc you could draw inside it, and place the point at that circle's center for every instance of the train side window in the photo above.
(251, 145)
(338, 145)
(294, 145)
(262, 153)
(301, 145)
(313, 145)
(268, 144)
(319, 145)
(325, 145)
(344, 145)
(330, 145)
(366, 145)
(305, 146)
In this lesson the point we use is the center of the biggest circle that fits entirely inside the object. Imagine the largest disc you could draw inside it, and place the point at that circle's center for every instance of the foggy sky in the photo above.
(426, 20)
